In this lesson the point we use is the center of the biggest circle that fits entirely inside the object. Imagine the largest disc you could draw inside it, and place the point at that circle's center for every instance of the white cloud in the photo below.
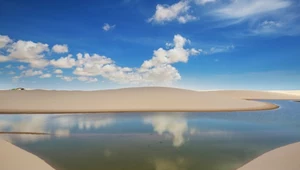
(21, 67)
(268, 27)
(157, 70)
(31, 73)
(3, 58)
(58, 71)
(60, 48)
(87, 79)
(45, 76)
(174, 55)
(174, 124)
(66, 78)
(64, 62)
(29, 52)
(220, 49)
(107, 27)
(4, 40)
(186, 18)
(178, 11)
(41, 63)
(203, 2)
(239, 9)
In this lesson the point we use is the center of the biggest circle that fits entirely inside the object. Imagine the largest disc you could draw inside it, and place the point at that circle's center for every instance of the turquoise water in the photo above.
(154, 141)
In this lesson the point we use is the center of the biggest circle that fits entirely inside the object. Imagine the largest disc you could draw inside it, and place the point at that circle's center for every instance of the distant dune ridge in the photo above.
(143, 99)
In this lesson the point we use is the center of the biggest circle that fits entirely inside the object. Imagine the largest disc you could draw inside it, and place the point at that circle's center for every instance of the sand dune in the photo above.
(260, 95)
(288, 92)
(14, 158)
(148, 99)
(283, 158)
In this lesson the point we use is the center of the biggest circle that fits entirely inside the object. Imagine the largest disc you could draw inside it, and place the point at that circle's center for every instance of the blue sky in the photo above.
(198, 44)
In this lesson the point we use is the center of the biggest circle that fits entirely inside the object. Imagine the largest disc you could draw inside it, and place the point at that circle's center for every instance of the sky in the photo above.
(195, 44)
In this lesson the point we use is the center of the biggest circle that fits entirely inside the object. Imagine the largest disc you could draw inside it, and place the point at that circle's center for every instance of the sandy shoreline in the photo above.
(282, 158)
(14, 158)
(147, 99)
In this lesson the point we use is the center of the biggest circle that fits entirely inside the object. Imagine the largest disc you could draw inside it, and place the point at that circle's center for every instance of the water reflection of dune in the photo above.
(174, 124)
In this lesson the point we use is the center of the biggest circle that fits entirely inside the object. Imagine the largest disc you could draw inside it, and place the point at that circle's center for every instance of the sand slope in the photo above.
(283, 158)
(289, 92)
(131, 100)
(260, 95)
(14, 158)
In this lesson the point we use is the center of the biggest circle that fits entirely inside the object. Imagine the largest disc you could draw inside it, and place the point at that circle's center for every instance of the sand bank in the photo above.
(289, 92)
(146, 99)
(14, 158)
(283, 158)
(256, 95)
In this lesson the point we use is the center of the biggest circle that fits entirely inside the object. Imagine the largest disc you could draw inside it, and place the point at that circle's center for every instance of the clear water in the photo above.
(154, 141)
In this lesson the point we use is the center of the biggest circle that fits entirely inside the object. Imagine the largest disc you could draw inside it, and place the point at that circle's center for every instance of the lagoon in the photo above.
(154, 141)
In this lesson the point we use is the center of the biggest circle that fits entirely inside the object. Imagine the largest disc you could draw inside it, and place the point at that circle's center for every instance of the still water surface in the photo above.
(154, 141)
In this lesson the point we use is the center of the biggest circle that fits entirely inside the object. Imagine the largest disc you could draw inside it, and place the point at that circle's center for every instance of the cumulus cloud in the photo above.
(29, 52)
(21, 67)
(60, 48)
(174, 124)
(87, 79)
(31, 73)
(67, 78)
(157, 70)
(4, 40)
(45, 76)
(107, 27)
(3, 58)
(58, 71)
(178, 11)
(64, 62)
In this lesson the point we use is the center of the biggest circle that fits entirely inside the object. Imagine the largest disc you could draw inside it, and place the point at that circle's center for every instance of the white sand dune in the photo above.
(288, 92)
(283, 158)
(145, 99)
(259, 95)
(14, 158)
